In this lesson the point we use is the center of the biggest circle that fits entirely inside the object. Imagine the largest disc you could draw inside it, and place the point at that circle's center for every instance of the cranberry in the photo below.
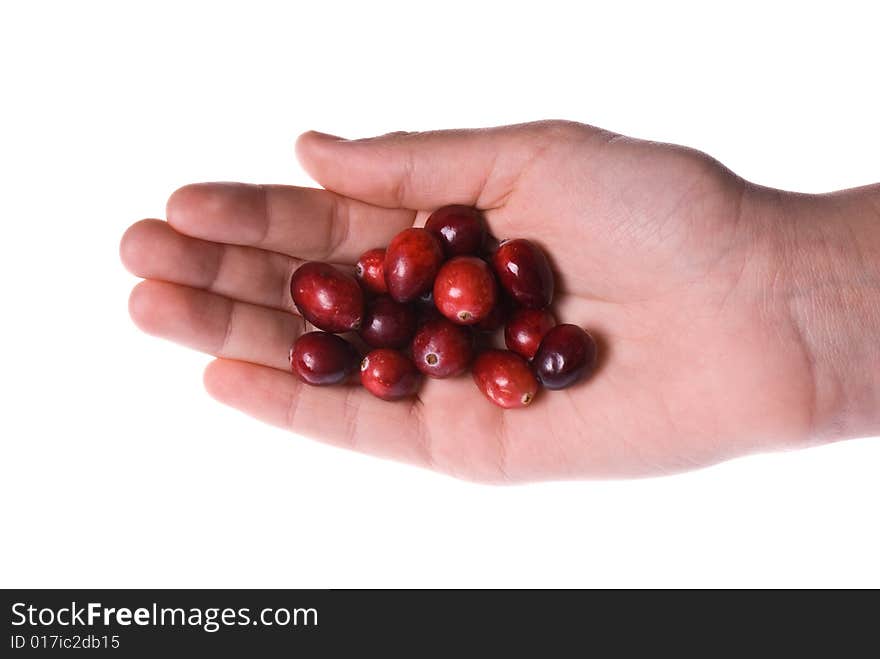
(411, 263)
(460, 229)
(525, 329)
(465, 290)
(425, 309)
(387, 323)
(442, 349)
(567, 354)
(524, 272)
(490, 247)
(370, 270)
(328, 298)
(322, 358)
(389, 374)
(496, 318)
(426, 299)
(483, 341)
(505, 378)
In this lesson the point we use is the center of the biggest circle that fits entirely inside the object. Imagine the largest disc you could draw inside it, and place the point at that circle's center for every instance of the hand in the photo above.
(672, 261)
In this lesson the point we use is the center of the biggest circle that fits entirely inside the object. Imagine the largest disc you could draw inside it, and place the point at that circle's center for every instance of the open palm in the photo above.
(659, 250)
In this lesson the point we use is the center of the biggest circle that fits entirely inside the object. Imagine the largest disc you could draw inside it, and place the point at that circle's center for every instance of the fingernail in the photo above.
(327, 136)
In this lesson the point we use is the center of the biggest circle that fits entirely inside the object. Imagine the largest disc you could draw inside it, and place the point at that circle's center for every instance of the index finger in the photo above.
(306, 223)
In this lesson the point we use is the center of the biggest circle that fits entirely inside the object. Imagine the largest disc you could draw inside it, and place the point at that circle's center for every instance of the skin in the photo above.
(731, 318)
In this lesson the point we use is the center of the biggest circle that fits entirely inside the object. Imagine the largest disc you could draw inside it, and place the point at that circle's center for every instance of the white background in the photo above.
(118, 470)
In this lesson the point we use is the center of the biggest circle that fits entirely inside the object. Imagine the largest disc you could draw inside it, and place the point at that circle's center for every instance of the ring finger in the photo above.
(215, 324)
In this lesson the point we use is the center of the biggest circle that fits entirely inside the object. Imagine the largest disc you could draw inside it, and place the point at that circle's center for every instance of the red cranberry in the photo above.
(567, 354)
(524, 272)
(371, 271)
(460, 229)
(387, 323)
(328, 298)
(442, 349)
(322, 358)
(465, 290)
(411, 263)
(505, 378)
(525, 329)
(389, 374)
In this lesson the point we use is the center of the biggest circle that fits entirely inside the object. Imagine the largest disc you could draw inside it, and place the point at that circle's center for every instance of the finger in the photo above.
(306, 223)
(153, 250)
(422, 170)
(214, 324)
(344, 416)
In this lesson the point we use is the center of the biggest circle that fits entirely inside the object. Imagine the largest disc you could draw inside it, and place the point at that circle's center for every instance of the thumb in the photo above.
(421, 171)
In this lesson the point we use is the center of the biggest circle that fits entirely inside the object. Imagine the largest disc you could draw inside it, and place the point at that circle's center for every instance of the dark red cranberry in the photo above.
(425, 309)
(483, 341)
(525, 329)
(387, 323)
(328, 298)
(505, 378)
(371, 271)
(460, 229)
(426, 299)
(442, 349)
(496, 318)
(524, 272)
(322, 358)
(490, 247)
(411, 263)
(389, 374)
(567, 354)
(465, 290)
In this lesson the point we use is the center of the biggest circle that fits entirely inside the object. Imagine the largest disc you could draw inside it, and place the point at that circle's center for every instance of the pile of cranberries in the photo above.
(427, 304)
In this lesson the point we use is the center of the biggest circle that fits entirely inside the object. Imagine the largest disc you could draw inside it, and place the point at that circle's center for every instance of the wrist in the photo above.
(825, 253)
